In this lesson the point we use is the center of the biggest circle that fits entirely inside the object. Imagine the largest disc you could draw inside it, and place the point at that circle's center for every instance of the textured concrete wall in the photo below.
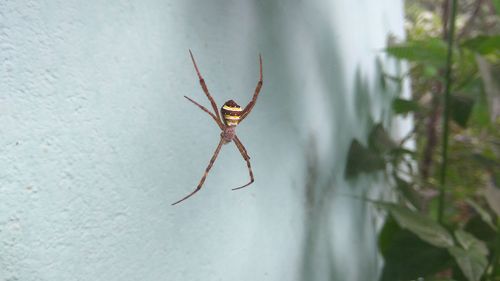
(96, 139)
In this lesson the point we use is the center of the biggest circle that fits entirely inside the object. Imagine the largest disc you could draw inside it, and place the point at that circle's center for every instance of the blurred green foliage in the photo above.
(466, 245)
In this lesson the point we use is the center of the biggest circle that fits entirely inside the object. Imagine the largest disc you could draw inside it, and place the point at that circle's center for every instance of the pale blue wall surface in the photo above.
(96, 139)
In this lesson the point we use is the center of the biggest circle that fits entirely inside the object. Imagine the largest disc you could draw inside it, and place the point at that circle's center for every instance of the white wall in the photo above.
(96, 139)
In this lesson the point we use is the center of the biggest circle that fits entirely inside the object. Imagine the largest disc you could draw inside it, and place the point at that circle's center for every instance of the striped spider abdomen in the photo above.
(231, 113)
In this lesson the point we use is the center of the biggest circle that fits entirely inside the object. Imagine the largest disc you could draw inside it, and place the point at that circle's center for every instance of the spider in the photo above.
(232, 115)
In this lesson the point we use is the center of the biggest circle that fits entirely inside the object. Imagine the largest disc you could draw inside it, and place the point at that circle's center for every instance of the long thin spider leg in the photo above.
(236, 139)
(200, 184)
(251, 104)
(207, 111)
(205, 88)
(244, 153)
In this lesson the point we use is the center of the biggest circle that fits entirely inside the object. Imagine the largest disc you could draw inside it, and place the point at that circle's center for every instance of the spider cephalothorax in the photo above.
(232, 115)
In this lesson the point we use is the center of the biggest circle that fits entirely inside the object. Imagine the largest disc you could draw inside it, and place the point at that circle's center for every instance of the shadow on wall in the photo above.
(319, 249)
(315, 213)
(319, 245)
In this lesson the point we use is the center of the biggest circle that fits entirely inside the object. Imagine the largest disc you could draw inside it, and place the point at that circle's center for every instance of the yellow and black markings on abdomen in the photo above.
(231, 113)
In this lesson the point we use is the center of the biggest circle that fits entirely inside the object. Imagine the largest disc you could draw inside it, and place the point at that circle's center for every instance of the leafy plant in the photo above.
(445, 223)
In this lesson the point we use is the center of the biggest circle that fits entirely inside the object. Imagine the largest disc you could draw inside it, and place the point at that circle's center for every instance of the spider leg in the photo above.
(200, 184)
(244, 153)
(236, 139)
(205, 88)
(207, 111)
(251, 104)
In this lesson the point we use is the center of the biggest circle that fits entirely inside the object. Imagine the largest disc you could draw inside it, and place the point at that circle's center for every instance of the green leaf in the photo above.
(470, 243)
(387, 235)
(483, 44)
(361, 159)
(466, 73)
(485, 216)
(408, 192)
(472, 257)
(461, 108)
(492, 196)
(402, 106)
(431, 50)
(424, 227)
(472, 265)
(480, 116)
(491, 85)
(406, 257)
(480, 229)
(404, 151)
(379, 140)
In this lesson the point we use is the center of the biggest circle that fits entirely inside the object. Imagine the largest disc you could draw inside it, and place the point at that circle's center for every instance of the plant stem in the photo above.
(446, 117)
